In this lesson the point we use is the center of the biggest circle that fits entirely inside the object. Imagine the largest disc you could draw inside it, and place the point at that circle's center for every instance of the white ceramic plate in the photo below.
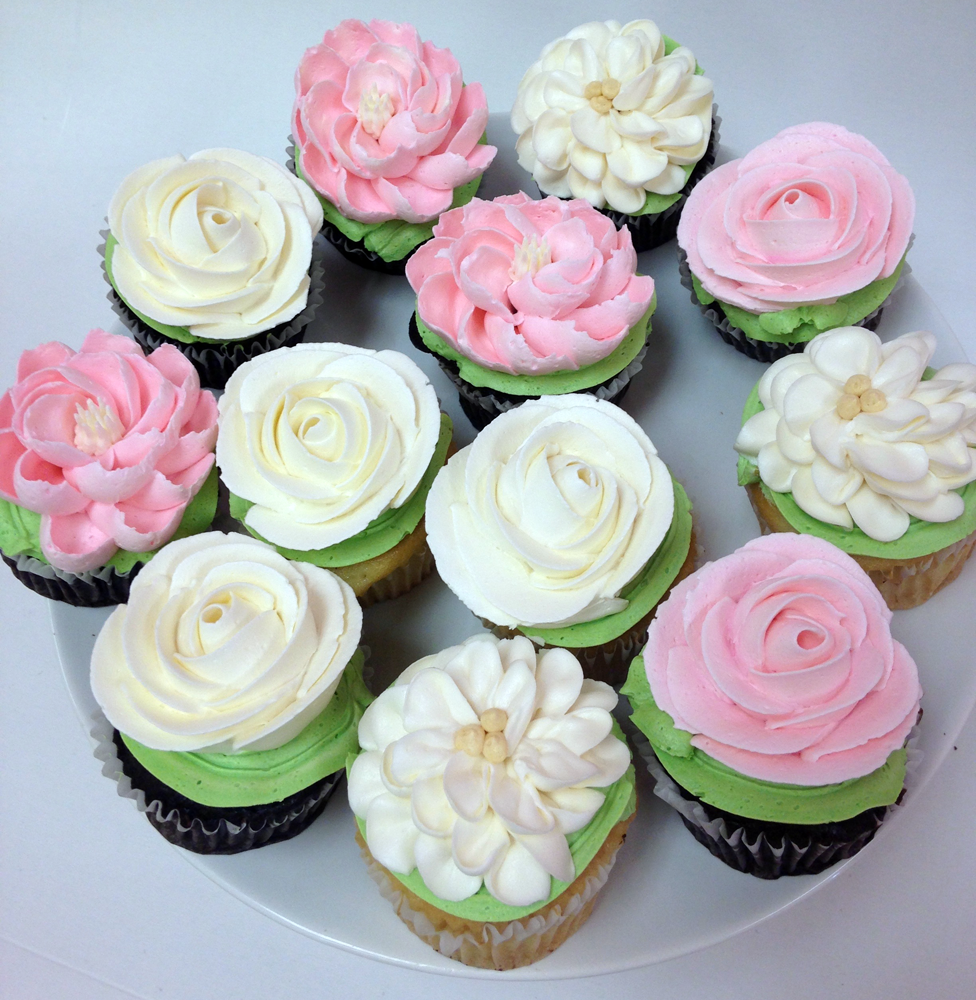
(667, 896)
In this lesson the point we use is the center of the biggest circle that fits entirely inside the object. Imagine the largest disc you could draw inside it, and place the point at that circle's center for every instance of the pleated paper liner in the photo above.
(501, 945)
(391, 573)
(356, 251)
(99, 588)
(904, 583)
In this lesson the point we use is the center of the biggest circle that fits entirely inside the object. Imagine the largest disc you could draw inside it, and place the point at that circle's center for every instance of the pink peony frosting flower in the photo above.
(384, 126)
(779, 658)
(813, 214)
(529, 286)
(106, 444)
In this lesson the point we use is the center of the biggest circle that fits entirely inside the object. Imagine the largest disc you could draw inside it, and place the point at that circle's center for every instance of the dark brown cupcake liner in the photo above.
(100, 588)
(207, 829)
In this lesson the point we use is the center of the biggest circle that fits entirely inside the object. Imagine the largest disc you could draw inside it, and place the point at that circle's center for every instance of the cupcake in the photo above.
(806, 233)
(232, 685)
(862, 444)
(777, 706)
(328, 452)
(105, 454)
(491, 797)
(213, 254)
(621, 117)
(561, 523)
(389, 137)
(519, 299)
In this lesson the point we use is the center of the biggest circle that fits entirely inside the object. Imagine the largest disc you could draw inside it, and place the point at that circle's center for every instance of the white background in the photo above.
(92, 903)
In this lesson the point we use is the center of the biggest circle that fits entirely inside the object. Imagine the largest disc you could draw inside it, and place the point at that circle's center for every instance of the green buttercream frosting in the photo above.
(553, 384)
(724, 788)
(380, 535)
(643, 592)
(803, 323)
(251, 778)
(620, 802)
(921, 539)
(395, 239)
(20, 528)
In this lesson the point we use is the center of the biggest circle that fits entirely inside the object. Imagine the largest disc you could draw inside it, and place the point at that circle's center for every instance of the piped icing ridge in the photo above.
(610, 113)
(324, 438)
(224, 645)
(107, 444)
(219, 242)
(779, 660)
(384, 125)
(552, 510)
(858, 436)
(479, 761)
(812, 214)
(529, 287)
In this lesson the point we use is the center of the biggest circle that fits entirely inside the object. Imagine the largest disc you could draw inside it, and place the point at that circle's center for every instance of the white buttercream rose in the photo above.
(605, 115)
(324, 438)
(855, 434)
(219, 243)
(479, 761)
(224, 645)
(553, 509)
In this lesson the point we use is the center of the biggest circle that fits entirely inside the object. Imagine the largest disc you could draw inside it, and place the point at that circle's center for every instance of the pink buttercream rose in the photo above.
(811, 215)
(779, 658)
(529, 286)
(383, 124)
(106, 444)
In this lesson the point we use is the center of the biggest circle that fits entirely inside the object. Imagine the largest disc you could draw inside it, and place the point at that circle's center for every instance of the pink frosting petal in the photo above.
(73, 543)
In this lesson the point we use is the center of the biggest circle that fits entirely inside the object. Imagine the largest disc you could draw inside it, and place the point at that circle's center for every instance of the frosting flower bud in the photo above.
(436, 798)
(551, 511)
(224, 645)
(606, 114)
(107, 444)
(383, 124)
(219, 243)
(858, 436)
(779, 659)
(813, 214)
(527, 286)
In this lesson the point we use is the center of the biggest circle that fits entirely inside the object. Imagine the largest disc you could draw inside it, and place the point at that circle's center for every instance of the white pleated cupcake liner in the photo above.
(417, 568)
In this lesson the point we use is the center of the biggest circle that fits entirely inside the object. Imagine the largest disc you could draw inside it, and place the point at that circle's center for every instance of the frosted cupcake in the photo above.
(328, 452)
(491, 796)
(106, 453)
(213, 254)
(519, 299)
(233, 682)
(806, 233)
(560, 522)
(859, 442)
(777, 706)
(388, 135)
(619, 116)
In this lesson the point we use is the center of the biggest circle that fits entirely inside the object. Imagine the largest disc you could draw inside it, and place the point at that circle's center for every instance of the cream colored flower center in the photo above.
(486, 737)
(375, 110)
(97, 427)
(600, 94)
(860, 397)
(530, 257)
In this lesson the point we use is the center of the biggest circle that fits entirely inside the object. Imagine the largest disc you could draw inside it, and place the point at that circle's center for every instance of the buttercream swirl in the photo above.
(224, 646)
(384, 126)
(324, 438)
(808, 216)
(529, 287)
(779, 659)
(553, 509)
(107, 444)
(852, 430)
(606, 115)
(219, 243)
(479, 761)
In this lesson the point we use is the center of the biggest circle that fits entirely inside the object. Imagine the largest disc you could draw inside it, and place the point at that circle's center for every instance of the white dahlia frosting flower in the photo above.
(479, 761)
(852, 430)
(606, 115)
